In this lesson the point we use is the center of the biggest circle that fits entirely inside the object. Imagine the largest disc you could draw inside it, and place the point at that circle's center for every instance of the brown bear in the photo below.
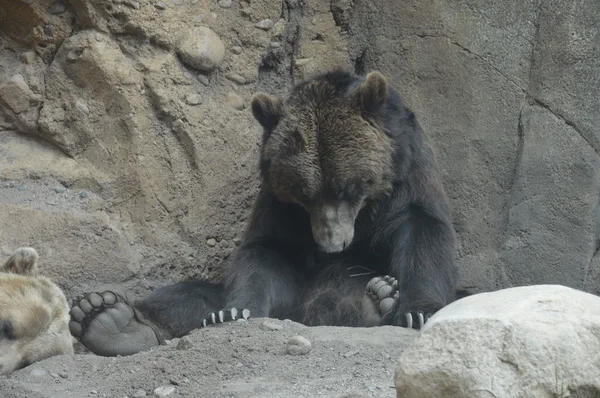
(34, 314)
(351, 227)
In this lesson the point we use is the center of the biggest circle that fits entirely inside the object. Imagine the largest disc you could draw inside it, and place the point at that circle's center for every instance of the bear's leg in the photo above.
(335, 298)
(23, 262)
(109, 325)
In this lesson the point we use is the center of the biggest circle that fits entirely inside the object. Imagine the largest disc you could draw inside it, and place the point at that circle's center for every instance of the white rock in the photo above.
(298, 345)
(235, 101)
(534, 341)
(164, 391)
(201, 48)
(265, 24)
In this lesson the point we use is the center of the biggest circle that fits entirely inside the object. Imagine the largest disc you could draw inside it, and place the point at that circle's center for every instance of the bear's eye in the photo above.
(6, 330)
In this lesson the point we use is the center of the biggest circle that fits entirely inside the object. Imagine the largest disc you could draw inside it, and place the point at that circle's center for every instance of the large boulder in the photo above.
(536, 341)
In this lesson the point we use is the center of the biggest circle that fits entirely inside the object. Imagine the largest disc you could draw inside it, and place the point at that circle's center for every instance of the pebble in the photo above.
(237, 241)
(93, 392)
(55, 375)
(193, 99)
(64, 375)
(351, 353)
(203, 79)
(59, 189)
(80, 105)
(21, 188)
(38, 372)
(225, 3)
(187, 75)
(193, 2)
(265, 24)
(235, 101)
(298, 345)
(236, 50)
(164, 391)
(201, 49)
(234, 77)
(27, 57)
(278, 28)
(211, 242)
(184, 343)
(139, 393)
(275, 44)
(160, 5)
(270, 326)
(83, 194)
(177, 2)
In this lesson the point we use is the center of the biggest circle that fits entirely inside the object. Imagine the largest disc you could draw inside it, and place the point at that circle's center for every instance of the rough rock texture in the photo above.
(535, 341)
(159, 159)
(239, 359)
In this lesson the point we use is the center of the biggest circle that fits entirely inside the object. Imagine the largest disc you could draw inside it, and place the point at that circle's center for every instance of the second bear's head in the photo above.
(325, 148)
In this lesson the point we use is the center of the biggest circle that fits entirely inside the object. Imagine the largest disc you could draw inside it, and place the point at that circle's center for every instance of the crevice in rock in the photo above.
(359, 63)
(590, 139)
(518, 160)
(470, 52)
(295, 12)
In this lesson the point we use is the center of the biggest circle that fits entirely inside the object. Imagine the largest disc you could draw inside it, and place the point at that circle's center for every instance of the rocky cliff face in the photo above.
(128, 154)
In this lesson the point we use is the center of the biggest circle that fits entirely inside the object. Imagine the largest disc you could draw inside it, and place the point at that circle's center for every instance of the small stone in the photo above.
(164, 391)
(58, 114)
(139, 394)
(234, 77)
(213, 15)
(225, 3)
(93, 392)
(201, 49)
(17, 94)
(198, 18)
(302, 61)
(275, 44)
(237, 241)
(235, 101)
(38, 372)
(59, 189)
(27, 57)
(351, 354)
(81, 106)
(57, 8)
(211, 242)
(177, 2)
(64, 375)
(265, 24)
(203, 79)
(184, 343)
(193, 99)
(236, 50)
(160, 5)
(193, 2)
(187, 75)
(83, 194)
(278, 28)
(270, 326)
(224, 243)
(298, 345)
(21, 188)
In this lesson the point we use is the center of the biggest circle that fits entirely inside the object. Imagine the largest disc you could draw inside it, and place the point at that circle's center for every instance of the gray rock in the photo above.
(203, 79)
(160, 5)
(201, 48)
(83, 194)
(236, 50)
(270, 326)
(298, 345)
(139, 394)
(184, 343)
(81, 106)
(225, 3)
(211, 242)
(265, 24)
(60, 189)
(164, 391)
(235, 101)
(528, 341)
(17, 94)
(193, 99)
(234, 77)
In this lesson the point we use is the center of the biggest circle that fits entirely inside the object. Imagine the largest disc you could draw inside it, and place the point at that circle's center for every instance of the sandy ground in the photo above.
(240, 359)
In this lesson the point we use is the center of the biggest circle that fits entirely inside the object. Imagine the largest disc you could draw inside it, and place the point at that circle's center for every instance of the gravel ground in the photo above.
(241, 359)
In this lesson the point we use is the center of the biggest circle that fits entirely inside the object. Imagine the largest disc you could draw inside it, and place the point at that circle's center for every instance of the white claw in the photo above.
(245, 313)
(221, 317)
(204, 323)
(409, 320)
(233, 314)
(421, 320)
(212, 317)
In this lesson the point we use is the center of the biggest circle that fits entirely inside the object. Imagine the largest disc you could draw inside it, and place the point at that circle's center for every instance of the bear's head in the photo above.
(34, 314)
(325, 149)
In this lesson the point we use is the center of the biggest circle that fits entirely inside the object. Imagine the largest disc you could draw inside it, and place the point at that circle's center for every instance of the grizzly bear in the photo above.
(34, 314)
(351, 226)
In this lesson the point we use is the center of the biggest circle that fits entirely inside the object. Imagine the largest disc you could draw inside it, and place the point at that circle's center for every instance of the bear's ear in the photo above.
(266, 109)
(373, 92)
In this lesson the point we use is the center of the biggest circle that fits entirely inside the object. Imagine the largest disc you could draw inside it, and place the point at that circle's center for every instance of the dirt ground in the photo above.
(239, 359)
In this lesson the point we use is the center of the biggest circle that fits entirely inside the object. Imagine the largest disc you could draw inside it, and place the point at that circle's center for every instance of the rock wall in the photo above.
(129, 157)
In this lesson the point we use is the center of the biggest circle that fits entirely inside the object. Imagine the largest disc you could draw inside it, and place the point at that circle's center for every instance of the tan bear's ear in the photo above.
(373, 92)
(266, 109)
(22, 262)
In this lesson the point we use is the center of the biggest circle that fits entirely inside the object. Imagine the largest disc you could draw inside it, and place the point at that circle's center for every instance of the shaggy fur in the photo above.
(34, 314)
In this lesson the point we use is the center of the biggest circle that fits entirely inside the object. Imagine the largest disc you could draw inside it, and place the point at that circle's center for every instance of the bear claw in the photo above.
(223, 316)
(380, 299)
